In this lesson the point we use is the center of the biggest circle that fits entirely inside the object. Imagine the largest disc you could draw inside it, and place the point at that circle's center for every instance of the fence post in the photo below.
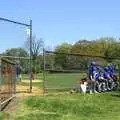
(119, 71)
(43, 70)
(0, 85)
(14, 92)
(30, 56)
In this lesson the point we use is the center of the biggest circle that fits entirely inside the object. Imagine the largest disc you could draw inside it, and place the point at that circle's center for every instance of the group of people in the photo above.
(100, 79)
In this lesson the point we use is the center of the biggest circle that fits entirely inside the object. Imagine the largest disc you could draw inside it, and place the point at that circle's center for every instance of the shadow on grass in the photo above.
(36, 84)
(39, 116)
(116, 95)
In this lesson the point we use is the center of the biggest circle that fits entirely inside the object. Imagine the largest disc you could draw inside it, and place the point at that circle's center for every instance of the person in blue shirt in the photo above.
(18, 72)
(93, 76)
(108, 78)
(112, 72)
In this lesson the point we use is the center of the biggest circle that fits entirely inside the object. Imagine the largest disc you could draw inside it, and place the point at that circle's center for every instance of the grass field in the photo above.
(54, 81)
(25, 82)
(62, 80)
(63, 105)
(68, 107)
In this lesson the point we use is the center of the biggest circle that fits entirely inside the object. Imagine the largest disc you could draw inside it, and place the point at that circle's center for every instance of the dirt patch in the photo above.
(22, 88)
(12, 105)
(22, 92)
(35, 92)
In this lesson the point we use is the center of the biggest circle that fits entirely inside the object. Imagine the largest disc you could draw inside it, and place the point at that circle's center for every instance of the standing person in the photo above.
(108, 78)
(32, 76)
(18, 72)
(93, 72)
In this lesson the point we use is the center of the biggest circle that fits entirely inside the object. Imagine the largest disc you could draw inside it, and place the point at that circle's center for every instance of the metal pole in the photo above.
(15, 22)
(25, 58)
(30, 56)
(0, 86)
(43, 70)
(14, 80)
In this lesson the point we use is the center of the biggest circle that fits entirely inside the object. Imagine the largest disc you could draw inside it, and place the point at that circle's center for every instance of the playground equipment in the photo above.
(7, 81)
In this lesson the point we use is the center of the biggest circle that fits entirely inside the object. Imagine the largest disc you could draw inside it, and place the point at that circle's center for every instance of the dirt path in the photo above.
(14, 103)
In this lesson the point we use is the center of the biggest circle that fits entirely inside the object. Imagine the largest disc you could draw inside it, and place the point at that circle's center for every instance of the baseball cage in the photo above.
(63, 71)
(22, 73)
(7, 81)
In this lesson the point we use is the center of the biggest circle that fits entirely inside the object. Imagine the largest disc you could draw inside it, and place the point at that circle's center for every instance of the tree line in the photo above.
(107, 47)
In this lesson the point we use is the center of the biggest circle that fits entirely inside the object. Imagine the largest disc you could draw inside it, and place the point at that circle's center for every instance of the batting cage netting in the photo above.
(22, 73)
(17, 47)
(64, 71)
(7, 81)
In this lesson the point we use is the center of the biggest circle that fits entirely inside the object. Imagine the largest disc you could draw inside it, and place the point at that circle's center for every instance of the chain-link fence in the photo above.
(7, 81)
(63, 71)
(22, 73)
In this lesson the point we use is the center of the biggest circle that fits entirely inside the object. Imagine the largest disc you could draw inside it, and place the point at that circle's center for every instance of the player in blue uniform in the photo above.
(93, 76)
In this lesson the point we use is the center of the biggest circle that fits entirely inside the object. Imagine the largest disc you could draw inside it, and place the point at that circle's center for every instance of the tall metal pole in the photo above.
(30, 56)
(43, 70)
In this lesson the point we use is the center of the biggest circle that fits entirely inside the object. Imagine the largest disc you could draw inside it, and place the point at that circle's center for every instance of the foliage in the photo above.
(61, 59)
(107, 47)
(17, 52)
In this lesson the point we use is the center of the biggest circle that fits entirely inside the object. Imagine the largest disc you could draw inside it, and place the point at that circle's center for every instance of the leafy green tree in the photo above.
(18, 52)
(61, 60)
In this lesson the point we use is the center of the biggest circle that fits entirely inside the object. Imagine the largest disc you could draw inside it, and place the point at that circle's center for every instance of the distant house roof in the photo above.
(85, 42)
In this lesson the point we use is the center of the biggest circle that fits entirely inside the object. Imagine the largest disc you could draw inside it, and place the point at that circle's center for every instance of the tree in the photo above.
(105, 46)
(18, 52)
(37, 47)
(61, 60)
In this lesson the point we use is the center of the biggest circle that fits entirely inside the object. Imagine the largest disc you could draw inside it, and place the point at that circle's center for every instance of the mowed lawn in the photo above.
(55, 81)
(103, 106)
(66, 106)
(63, 80)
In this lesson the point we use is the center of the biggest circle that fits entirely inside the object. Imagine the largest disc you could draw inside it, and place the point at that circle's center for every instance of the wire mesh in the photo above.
(64, 71)
(22, 72)
(7, 80)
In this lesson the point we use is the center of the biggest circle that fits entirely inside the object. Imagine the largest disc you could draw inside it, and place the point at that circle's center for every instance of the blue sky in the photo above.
(58, 21)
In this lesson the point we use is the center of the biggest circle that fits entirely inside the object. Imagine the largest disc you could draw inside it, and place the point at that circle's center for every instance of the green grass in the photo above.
(65, 106)
(38, 82)
(104, 106)
(37, 76)
(54, 81)
(62, 80)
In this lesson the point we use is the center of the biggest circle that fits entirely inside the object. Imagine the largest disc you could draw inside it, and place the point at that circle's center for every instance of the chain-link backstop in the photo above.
(7, 81)
(62, 71)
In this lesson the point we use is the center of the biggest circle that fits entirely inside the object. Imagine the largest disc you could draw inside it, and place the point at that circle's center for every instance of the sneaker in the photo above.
(95, 91)
(90, 92)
